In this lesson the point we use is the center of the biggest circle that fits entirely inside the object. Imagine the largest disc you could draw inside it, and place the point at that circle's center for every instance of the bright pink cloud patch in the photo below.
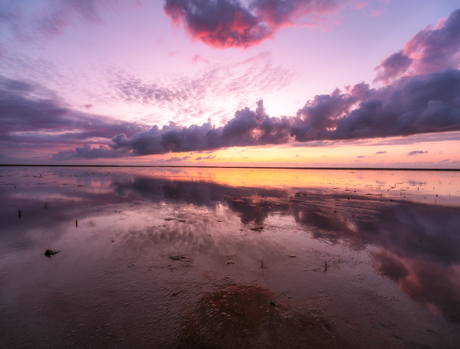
(197, 59)
(227, 23)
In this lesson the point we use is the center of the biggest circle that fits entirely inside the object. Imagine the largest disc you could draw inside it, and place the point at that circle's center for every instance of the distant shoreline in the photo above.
(249, 168)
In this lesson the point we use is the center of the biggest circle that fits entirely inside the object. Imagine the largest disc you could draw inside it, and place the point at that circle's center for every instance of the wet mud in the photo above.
(226, 258)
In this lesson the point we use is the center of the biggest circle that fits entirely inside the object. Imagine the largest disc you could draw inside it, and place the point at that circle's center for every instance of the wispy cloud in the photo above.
(208, 94)
(47, 19)
(209, 157)
(416, 152)
(175, 158)
(197, 59)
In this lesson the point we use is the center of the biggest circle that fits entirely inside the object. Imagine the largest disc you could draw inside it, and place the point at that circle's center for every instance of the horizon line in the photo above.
(249, 167)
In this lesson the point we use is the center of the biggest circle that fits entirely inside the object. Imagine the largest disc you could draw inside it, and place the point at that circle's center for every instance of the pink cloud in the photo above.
(197, 59)
(227, 23)
(378, 12)
(361, 5)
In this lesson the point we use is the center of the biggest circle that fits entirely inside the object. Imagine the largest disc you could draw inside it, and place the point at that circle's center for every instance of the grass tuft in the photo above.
(49, 252)
(262, 265)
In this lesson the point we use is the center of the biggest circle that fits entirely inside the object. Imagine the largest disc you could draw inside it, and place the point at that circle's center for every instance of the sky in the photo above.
(282, 83)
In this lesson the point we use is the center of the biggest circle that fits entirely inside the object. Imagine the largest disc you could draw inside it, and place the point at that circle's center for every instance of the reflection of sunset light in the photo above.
(410, 185)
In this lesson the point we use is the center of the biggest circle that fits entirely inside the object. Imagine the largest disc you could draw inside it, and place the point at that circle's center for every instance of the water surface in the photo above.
(229, 258)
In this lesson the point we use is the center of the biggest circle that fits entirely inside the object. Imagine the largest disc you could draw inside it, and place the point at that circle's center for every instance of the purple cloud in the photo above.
(416, 152)
(32, 116)
(429, 51)
(175, 158)
(395, 65)
(231, 23)
(209, 157)
(87, 152)
(245, 129)
(381, 152)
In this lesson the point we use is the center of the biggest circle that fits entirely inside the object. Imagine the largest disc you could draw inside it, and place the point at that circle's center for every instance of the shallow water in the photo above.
(229, 258)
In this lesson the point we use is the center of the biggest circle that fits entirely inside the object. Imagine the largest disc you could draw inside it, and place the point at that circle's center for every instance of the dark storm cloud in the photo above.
(412, 105)
(231, 23)
(429, 51)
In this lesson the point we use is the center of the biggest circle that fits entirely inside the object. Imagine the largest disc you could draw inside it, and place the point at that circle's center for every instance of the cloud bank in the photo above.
(412, 105)
(232, 23)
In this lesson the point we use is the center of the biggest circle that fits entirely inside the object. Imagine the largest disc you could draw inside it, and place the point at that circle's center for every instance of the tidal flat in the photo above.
(97, 257)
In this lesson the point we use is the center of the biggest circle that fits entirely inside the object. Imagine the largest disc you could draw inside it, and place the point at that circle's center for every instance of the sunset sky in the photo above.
(297, 83)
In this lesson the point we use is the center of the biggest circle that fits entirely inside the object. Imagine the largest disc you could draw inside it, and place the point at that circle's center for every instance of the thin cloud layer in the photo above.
(201, 96)
(47, 19)
(429, 51)
(417, 152)
(232, 23)
(32, 115)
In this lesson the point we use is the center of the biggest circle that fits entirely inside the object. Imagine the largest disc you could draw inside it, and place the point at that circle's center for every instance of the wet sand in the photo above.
(229, 258)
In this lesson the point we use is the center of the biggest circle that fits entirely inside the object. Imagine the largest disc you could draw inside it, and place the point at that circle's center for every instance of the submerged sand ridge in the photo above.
(192, 258)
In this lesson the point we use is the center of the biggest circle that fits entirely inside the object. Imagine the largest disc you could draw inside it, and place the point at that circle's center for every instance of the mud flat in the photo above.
(228, 258)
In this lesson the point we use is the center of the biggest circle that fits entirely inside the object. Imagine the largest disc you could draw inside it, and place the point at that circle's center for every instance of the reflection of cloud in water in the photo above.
(421, 241)
(63, 207)
(430, 284)
(252, 204)
(418, 243)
